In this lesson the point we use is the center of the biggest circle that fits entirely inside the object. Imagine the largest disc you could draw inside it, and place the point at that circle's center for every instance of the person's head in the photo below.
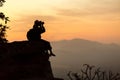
(38, 23)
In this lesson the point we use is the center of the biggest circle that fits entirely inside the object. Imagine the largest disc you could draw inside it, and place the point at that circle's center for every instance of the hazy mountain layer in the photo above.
(72, 54)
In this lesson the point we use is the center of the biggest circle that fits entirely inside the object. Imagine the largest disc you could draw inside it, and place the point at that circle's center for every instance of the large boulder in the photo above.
(25, 60)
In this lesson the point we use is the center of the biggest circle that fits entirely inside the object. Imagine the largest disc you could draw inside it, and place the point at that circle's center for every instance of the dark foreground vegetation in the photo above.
(92, 73)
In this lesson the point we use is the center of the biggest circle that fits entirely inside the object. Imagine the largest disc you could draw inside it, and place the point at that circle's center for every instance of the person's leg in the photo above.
(51, 53)
(48, 47)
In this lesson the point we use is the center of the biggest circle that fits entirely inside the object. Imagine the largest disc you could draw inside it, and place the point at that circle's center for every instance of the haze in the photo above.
(97, 20)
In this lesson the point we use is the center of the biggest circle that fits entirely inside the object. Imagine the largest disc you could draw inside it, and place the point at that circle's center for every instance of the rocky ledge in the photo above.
(25, 60)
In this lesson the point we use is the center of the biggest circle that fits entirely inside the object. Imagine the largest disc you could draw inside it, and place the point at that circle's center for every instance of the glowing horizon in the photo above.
(65, 19)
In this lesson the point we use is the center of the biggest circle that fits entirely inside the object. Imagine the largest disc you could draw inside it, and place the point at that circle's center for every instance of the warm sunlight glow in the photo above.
(97, 20)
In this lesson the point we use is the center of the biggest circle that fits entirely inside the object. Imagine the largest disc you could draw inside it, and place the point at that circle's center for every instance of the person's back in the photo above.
(33, 35)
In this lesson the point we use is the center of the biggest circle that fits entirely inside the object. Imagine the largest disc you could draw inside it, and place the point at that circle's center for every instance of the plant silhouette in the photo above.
(92, 73)
(1, 2)
(3, 27)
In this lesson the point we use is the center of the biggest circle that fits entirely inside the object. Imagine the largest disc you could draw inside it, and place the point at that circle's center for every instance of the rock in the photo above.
(25, 60)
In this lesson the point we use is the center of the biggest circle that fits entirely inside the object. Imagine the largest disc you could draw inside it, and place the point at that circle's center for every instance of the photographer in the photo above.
(34, 34)
(39, 25)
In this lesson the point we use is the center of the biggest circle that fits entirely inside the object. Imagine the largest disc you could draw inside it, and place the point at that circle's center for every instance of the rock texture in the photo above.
(25, 60)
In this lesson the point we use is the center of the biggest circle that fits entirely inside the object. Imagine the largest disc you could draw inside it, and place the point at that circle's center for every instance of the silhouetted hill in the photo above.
(72, 54)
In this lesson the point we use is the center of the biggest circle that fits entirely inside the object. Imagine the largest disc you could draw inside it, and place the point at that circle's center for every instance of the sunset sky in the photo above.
(97, 20)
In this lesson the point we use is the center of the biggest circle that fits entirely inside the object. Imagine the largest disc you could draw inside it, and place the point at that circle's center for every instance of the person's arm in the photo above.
(42, 28)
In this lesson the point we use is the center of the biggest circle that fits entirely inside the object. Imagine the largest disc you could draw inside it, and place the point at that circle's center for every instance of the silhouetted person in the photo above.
(34, 34)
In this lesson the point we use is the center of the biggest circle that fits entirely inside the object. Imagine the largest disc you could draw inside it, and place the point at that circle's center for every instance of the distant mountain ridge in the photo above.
(77, 40)
(81, 44)
(71, 54)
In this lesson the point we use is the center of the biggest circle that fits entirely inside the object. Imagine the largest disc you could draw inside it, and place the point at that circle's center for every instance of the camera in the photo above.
(37, 22)
(40, 22)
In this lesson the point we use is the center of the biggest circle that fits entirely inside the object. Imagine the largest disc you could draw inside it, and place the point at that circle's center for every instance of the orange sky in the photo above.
(97, 20)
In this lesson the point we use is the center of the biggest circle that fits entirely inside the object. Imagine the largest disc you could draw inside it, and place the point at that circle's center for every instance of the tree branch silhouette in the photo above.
(3, 27)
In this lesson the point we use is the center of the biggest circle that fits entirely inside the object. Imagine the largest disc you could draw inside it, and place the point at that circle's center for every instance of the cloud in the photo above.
(29, 18)
(25, 22)
(106, 6)
(93, 8)
(73, 12)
